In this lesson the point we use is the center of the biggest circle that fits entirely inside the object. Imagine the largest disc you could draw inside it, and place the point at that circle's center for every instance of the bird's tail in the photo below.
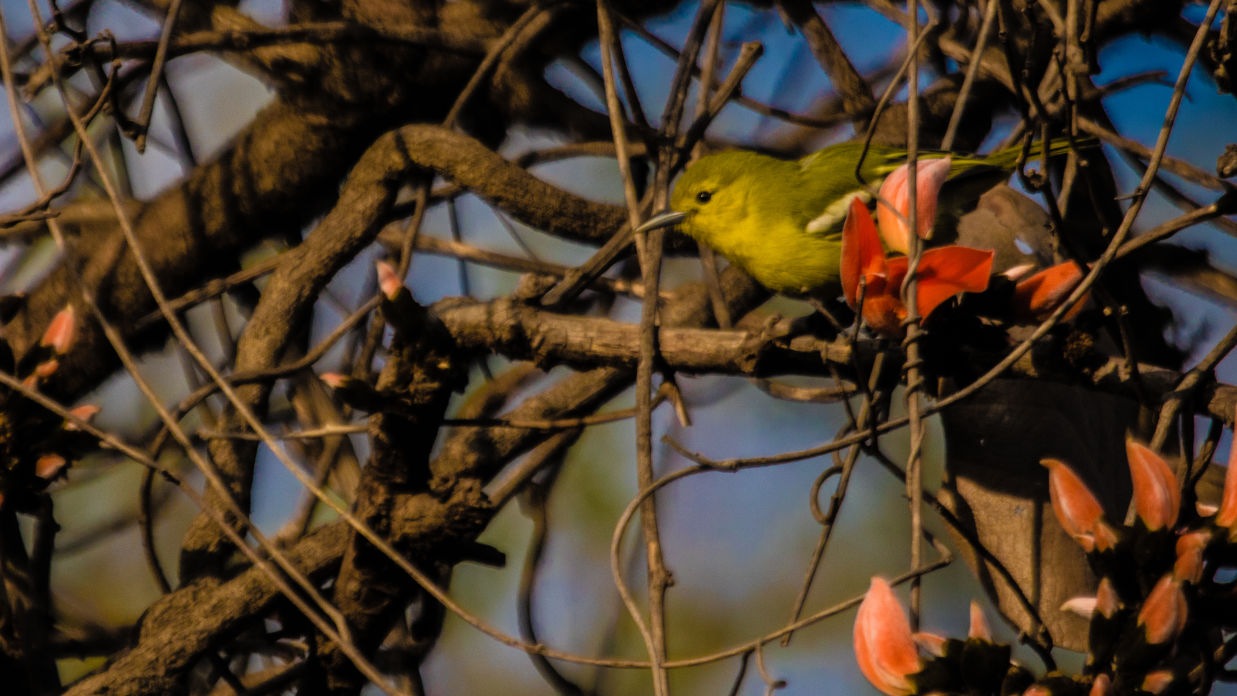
(1007, 158)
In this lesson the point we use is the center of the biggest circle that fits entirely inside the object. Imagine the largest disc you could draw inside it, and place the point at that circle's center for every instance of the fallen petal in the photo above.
(884, 647)
(1157, 497)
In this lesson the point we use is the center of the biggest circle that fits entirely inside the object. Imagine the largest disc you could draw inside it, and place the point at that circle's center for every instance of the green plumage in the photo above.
(781, 220)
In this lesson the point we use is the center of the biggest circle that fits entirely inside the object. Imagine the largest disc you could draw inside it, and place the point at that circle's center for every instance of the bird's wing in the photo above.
(834, 214)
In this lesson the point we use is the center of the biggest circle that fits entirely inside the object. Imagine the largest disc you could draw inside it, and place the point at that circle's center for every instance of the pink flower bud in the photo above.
(893, 202)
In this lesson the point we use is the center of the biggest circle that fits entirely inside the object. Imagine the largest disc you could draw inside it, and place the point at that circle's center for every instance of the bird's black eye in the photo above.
(704, 196)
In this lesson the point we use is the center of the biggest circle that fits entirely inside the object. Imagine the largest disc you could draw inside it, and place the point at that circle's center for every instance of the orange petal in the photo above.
(884, 648)
(60, 332)
(861, 250)
(1157, 682)
(1227, 515)
(1102, 686)
(1189, 564)
(1157, 497)
(334, 380)
(84, 412)
(979, 624)
(1038, 296)
(47, 368)
(49, 465)
(1163, 613)
(884, 313)
(947, 271)
(1079, 513)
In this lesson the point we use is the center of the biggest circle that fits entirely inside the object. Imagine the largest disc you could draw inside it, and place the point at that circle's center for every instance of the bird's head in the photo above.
(713, 193)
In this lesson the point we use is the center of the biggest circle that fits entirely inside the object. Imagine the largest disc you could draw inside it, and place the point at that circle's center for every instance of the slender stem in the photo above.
(914, 380)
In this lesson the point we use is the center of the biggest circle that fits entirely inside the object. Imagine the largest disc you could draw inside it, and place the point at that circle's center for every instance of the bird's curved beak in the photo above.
(665, 218)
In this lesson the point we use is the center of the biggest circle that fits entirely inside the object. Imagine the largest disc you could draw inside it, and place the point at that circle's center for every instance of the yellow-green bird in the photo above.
(781, 220)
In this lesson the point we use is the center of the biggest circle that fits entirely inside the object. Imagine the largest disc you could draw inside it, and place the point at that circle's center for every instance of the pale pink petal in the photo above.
(1082, 606)
(893, 202)
(931, 643)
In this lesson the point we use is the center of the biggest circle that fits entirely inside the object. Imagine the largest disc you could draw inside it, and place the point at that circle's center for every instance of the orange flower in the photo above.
(884, 647)
(943, 272)
(60, 332)
(1227, 515)
(893, 202)
(1157, 498)
(1163, 613)
(1079, 513)
(1189, 564)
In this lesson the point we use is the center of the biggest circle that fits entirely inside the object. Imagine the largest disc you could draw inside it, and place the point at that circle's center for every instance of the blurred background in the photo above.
(737, 543)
